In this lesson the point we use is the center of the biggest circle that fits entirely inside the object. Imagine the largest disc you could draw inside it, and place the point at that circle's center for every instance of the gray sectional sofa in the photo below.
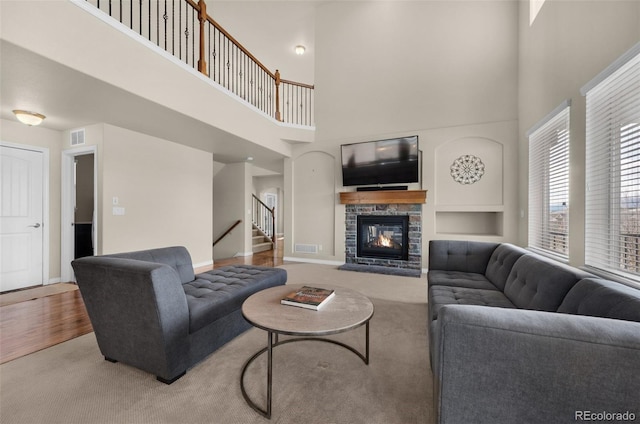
(149, 310)
(518, 338)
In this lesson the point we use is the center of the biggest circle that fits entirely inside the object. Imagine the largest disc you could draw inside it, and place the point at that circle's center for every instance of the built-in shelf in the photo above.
(470, 223)
(383, 197)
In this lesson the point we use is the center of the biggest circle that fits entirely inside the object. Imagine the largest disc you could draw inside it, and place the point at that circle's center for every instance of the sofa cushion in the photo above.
(177, 257)
(458, 255)
(440, 296)
(602, 298)
(216, 293)
(540, 284)
(459, 279)
(501, 263)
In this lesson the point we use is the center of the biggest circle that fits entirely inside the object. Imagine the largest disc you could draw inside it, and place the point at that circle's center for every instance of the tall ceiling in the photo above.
(271, 30)
(71, 99)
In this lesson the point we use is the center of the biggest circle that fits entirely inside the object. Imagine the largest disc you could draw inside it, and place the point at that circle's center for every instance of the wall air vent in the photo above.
(77, 137)
(305, 248)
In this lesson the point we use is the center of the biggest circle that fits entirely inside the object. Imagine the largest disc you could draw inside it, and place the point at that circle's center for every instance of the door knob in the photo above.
(37, 225)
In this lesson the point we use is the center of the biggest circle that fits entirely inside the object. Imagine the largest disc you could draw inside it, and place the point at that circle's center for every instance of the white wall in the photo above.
(387, 67)
(231, 202)
(271, 30)
(445, 71)
(165, 189)
(569, 43)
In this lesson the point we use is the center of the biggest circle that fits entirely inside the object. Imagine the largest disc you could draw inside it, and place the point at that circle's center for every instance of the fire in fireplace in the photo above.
(384, 237)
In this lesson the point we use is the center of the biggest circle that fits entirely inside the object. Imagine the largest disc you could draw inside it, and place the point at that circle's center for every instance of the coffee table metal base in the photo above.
(273, 342)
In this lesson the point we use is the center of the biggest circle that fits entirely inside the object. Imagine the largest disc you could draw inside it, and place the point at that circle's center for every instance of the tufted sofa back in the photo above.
(177, 257)
(539, 284)
(501, 263)
(602, 298)
(463, 256)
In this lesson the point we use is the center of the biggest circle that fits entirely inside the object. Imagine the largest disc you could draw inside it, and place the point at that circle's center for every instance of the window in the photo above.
(549, 184)
(612, 210)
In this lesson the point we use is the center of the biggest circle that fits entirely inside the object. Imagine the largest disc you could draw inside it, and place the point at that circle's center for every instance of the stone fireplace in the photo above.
(388, 221)
(383, 236)
(384, 231)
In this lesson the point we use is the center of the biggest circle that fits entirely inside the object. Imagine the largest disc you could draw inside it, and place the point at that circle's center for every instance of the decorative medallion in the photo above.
(467, 169)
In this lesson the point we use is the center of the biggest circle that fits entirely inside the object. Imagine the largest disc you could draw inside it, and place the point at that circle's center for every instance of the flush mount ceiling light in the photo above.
(29, 118)
(300, 50)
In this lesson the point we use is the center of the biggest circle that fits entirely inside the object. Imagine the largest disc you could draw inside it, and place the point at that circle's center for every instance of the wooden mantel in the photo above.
(383, 197)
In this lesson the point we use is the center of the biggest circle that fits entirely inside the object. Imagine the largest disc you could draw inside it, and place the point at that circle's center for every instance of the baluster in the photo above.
(278, 118)
(157, 23)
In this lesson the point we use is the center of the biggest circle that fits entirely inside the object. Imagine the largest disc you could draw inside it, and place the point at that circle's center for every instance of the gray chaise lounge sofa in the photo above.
(518, 338)
(149, 310)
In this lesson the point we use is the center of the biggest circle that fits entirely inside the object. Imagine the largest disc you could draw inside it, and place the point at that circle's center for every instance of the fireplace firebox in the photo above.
(385, 237)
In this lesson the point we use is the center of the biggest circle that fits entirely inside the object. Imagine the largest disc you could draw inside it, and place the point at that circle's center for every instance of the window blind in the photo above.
(549, 184)
(612, 209)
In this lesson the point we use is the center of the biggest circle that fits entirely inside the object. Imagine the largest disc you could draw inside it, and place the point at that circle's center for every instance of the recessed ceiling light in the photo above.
(29, 118)
(300, 49)
(249, 158)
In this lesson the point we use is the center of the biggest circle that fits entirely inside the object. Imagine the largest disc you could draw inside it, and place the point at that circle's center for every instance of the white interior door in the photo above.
(21, 218)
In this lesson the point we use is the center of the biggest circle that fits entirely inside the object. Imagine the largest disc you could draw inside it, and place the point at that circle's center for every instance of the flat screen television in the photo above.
(378, 162)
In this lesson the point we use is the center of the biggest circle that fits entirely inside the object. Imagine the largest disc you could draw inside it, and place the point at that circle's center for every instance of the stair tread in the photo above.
(262, 247)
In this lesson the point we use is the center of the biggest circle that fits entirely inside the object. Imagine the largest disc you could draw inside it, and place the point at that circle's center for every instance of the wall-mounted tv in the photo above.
(389, 161)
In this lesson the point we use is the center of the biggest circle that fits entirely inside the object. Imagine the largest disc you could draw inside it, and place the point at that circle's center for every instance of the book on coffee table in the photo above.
(308, 297)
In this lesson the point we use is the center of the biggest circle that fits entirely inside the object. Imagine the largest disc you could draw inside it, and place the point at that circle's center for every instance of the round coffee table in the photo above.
(347, 310)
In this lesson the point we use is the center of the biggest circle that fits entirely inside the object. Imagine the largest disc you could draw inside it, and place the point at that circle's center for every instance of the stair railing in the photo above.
(184, 29)
(263, 217)
(234, 225)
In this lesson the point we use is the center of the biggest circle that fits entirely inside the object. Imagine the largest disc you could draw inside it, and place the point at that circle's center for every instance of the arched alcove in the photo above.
(314, 187)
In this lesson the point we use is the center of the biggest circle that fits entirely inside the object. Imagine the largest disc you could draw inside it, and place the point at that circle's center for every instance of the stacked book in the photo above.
(308, 297)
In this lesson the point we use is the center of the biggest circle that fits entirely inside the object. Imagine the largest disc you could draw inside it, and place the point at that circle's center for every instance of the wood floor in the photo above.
(41, 322)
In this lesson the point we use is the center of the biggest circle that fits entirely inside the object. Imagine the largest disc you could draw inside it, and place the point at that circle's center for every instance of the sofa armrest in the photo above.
(138, 311)
(498, 365)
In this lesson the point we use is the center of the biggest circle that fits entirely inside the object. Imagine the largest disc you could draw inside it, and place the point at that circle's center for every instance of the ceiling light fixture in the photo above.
(300, 50)
(29, 118)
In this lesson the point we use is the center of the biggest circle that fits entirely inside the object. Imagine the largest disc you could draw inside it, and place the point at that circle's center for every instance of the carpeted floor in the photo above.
(313, 382)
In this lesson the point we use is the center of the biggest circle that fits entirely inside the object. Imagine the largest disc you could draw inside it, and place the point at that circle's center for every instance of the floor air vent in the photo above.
(77, 137)
(305, 248)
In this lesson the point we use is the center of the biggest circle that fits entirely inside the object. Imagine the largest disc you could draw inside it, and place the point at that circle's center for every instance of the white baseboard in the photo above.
(203, 267)
(203, 264)
(243, 254)
(312, 261)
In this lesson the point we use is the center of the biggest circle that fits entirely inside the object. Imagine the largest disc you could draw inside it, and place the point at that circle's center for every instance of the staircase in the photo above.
(261, 242)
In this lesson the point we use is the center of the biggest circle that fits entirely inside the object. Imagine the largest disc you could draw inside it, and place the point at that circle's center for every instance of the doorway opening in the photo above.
(84, 212)
(79, 232)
